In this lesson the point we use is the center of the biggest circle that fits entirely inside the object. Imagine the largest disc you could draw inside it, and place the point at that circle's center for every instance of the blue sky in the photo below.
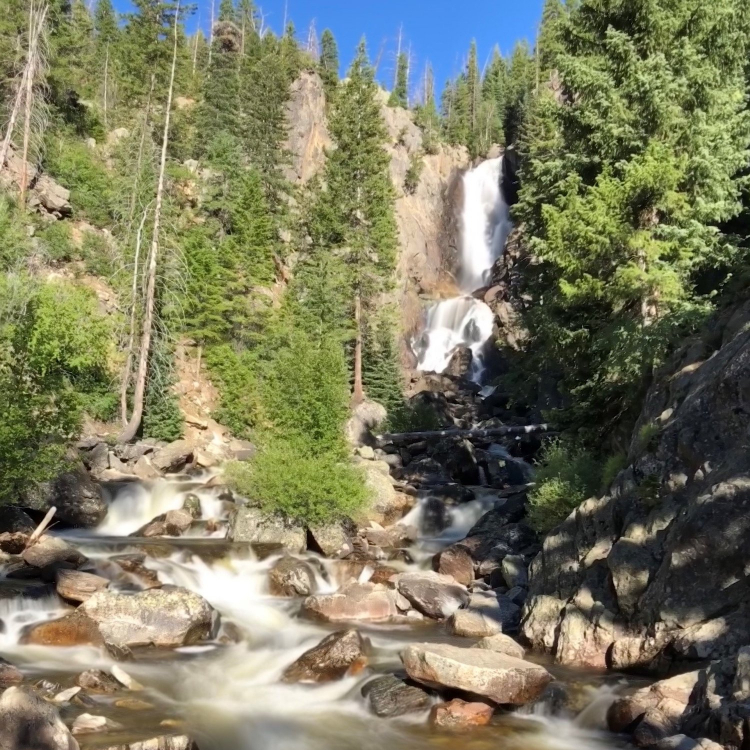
(437, 30)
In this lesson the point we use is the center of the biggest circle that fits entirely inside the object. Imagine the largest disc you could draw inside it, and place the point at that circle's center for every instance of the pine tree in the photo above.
(548, 44)
(493, 102)
(329, 62)
(426, 114)
(227, 13)
(521, 81)
(400, 95)
(628, 170)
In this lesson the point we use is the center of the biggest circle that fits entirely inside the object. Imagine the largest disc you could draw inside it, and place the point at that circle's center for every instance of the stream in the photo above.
(227, 693)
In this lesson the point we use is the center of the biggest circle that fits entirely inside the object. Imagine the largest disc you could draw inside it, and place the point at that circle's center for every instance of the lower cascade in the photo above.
(464, 321)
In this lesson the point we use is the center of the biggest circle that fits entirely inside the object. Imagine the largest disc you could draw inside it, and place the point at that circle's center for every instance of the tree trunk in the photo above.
(31, 65)
(131, 428)
(359, 392)
(106, 82)
(211, 39)
(139, 160)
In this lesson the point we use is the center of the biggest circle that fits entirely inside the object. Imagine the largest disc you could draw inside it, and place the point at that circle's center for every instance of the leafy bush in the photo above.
(567, 475)
(14, 242)
(54, 348)
(283, 479)
(414, 417)
(413, 174)
(97, 255)
(91, 187)
(57, 243)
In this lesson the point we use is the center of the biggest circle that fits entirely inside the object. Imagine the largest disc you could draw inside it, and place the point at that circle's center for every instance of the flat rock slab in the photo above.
(501, 678)
(502, 644)
(51, 550)
(357, 602)
(434, 595)
(76, 586)
(160, 617)
(74, 629)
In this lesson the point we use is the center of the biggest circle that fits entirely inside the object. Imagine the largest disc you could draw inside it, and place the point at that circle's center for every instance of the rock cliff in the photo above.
(655, 571)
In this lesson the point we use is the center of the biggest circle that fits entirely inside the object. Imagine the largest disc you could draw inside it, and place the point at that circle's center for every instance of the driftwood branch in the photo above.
(34, 538)
(410, 437)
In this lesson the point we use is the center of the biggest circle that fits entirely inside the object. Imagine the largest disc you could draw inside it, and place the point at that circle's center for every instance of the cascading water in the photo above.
(464, 320)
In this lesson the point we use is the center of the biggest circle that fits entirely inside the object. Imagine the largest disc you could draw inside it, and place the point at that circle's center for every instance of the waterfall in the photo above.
(463, 320)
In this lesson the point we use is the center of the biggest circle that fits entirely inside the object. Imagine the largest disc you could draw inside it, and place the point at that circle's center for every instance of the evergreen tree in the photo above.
(521, 81)
(426, 114)
(627, 172)
(548, 44)
(227, 13)
(329, 62)
(400, 95)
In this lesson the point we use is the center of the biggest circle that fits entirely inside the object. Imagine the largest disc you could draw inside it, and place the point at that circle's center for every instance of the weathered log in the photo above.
(408, 437)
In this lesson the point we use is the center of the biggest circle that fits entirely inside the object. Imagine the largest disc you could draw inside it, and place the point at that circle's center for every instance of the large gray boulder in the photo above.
(486, 614)
(160, 617)
(501, 678)
(251, 524)
(78, 499)
(432, 594)
(655, 570)
(27, 722)
(357, 602)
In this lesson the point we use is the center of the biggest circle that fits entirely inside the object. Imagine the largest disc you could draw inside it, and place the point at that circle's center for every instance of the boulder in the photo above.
(250, 524)
(159, 617)
(502, 679)
(367, 602)
(365, 418)
(460, 362)
(332, 539)
(13, 543)
(455, 561)
(27, 722)
(9, 674)
(76, 586)
(78, 499)
(335, 656)
(163, 742)
(171, 523)
(192, 505)
(132, 565)
(502, 644)
(291, 577)
(91, 724)
(173, 457)
(97, 681)
(74, 629)
(14, 521)
(432, 594)
(52, 196)
(52, 551)
(486, 614)
(390, 696)
(459, 714)
(515, 571)
(387, 504)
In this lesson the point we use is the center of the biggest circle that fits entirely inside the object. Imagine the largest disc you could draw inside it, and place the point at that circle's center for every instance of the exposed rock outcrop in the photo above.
(655, 571)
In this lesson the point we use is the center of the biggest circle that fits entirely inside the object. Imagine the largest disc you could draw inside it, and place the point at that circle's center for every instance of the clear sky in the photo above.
(437, 30)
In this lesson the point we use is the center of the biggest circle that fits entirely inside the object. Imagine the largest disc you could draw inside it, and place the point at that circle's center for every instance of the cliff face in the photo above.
(427, 217)
(656, 570)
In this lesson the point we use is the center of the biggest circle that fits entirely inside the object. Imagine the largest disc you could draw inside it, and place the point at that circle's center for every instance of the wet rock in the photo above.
(332, 539)
(78, 499)
(166, 742)
(330, 660)
(160, 617)
(459, 714)
(390, 696)
(13, 543)
(171, 523)
(125, 679)
(432, 594)
(192, 505)
(455, 561)
(501, 678)
(291, 577)
(133, 566)
(250, 524)
(65, 696)
(90, 724)
(74, 629)
(486, 614)
(76, 586)
(50, 551)
(460, 362)
(173, 457)
(502, 644)
(9, 674)
(388, 505)
(97, 681)
(27, 722)
(356, 602)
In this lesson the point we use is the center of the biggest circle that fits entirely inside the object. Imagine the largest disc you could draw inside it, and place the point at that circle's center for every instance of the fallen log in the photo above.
(409, 437)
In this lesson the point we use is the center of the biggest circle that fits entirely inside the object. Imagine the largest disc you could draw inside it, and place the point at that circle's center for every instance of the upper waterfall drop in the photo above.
(464, 320)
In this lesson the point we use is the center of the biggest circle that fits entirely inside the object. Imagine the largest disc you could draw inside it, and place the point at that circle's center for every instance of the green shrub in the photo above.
(413, 174)
(612, 467)
(97, 254)
(647, 436)
(76, 167)
(283, 480)
(414, 417)
(566, 476)
(57, 243)
(14, 241)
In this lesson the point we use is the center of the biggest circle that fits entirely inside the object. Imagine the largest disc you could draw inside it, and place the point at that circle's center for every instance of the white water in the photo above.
(465, 321)
(133, 504)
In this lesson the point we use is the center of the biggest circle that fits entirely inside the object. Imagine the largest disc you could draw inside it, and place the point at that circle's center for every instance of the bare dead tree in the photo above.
(311, 47)
(131, 426)
(106, 86)
(211, 37)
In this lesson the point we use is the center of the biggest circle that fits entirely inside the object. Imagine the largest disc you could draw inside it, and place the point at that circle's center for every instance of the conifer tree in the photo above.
(329, 62)
(426, 114)
(400, 95)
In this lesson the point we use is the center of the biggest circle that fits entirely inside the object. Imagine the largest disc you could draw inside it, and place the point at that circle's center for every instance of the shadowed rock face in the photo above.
(655, 571)
(27, 721)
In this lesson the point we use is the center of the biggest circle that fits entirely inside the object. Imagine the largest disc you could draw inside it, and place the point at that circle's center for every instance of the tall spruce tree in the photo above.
(329, 62)
(628, 171)
(400, 95)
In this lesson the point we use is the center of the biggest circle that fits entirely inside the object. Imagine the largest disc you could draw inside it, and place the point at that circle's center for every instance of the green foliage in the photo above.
(414, 173)
(647, 436)
(612, 467)
(14, 241)
(566, 476)
(400, 95)
(54, 348)
(329, 62)
(77, 168)
(309, 489)
(413, 416)
(57, 243)
(97, 254)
